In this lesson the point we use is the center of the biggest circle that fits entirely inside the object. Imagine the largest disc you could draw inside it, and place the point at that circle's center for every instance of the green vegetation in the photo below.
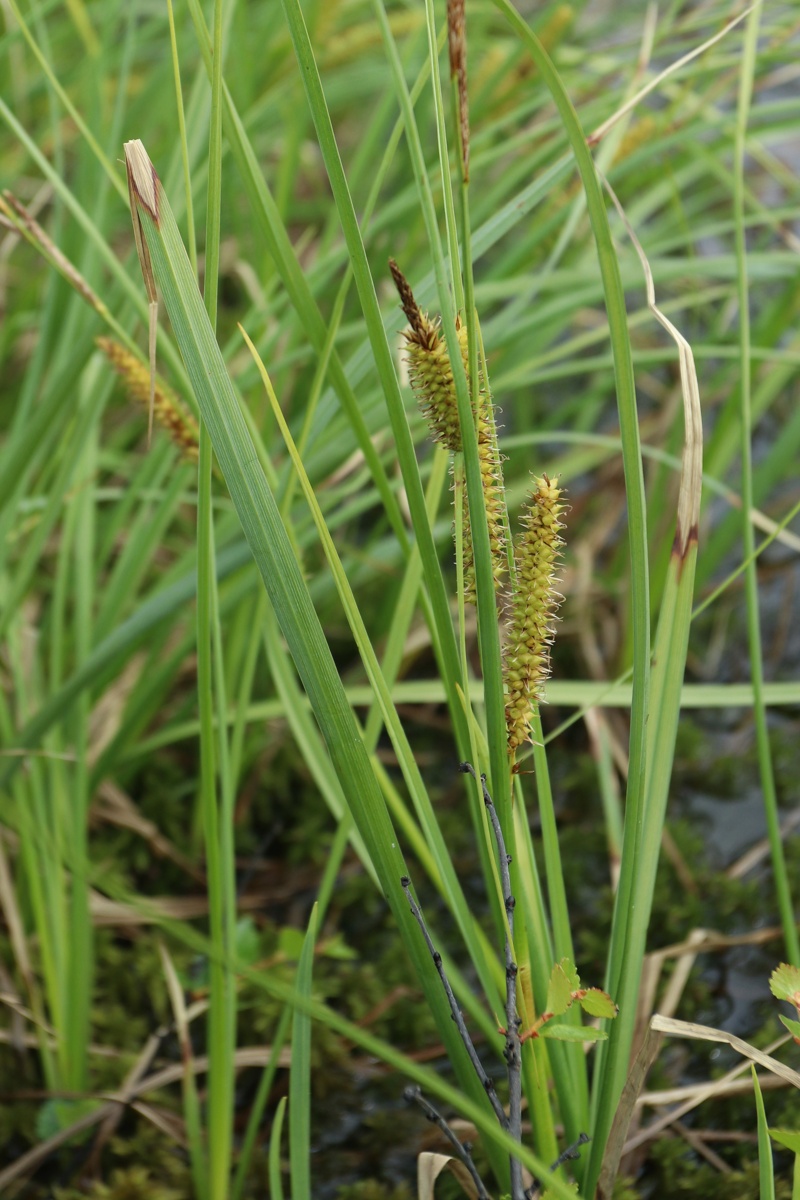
(241, 661)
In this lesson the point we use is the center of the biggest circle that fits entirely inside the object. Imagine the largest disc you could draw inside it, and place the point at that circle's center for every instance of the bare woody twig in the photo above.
(512, 1050)
(486, 1082)
(462, 1149)
(569, 1155)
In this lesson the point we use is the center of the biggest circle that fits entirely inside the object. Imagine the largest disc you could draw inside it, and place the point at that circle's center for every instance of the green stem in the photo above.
(217, 808)
(782, 889)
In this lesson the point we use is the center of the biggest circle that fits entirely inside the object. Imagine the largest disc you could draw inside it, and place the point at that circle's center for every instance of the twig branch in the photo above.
(569, 1155)
(512, 1050)
(462, 1149)
(463, 1032)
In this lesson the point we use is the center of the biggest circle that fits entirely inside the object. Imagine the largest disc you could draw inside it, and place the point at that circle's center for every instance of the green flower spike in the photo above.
(167, 408)
(533, 605)
(492, 481)
(429, 367)
(431, 375)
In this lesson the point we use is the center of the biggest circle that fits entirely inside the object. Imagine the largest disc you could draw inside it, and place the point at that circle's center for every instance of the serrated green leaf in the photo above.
(571, 972)
(784, 983)
(598, 1003)
(559, 991)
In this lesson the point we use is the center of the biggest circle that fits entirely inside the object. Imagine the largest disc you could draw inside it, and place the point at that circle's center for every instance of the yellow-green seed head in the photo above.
(431, 375)
(532, 609)
(493, 498)
(167, 408)
(429, 367)
(432, 380)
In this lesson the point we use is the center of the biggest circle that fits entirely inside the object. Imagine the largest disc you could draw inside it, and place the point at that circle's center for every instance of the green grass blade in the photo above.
(275, 1175)
(608, 1083)
(766, 1170)
(65, 100)
(270, 224)
(258, 1108)
(424, 809)
(443, 626)
(300, 1074)
(429, 1079)
(81, 933)
(287, 589)
(191, 1100)
(406, 602)
(179, 107)
(307, 736)
(487, 610)
(217, 837)
(766, 770)
(106, 657)
(216, 798)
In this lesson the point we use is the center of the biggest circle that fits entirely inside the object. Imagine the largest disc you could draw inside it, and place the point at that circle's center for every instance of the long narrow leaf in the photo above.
(411, 773)
(276, 561)
(300, 1074)
(443, 626)
(766, 1170)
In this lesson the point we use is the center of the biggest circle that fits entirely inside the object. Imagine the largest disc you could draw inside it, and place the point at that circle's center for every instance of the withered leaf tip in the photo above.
(142, 178)
(143, 189)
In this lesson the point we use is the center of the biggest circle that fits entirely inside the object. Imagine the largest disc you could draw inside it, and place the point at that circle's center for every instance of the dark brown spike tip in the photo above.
(457, 40)
(412, 310)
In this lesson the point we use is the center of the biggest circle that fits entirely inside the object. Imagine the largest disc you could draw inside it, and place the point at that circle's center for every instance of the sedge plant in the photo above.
(471, 201)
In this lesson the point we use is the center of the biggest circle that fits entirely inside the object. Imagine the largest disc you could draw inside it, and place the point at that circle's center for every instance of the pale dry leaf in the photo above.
(705, 1033)
(430, 1167)
(143, 188)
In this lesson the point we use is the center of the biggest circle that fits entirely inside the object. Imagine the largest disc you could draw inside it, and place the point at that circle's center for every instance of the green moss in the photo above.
(366, 976)
(785, 748)
(372, 1189)
(703, 760)
(131, 1183)
(677, 1173)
